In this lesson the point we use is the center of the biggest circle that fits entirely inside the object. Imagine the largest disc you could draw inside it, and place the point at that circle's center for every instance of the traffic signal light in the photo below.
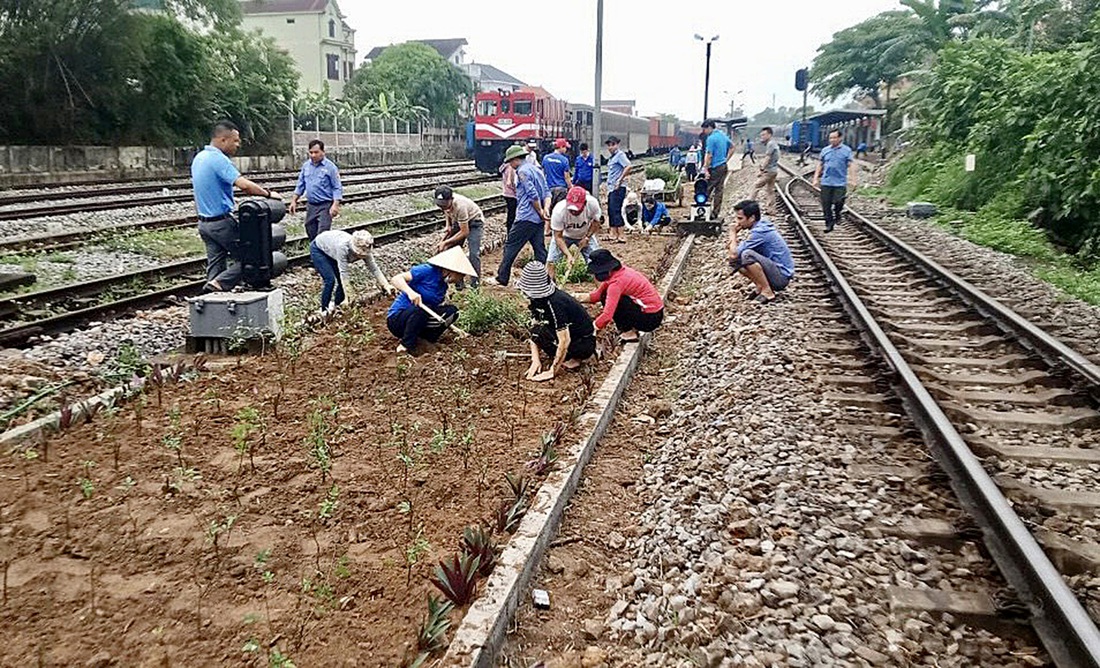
(801, 79)
(260, 237)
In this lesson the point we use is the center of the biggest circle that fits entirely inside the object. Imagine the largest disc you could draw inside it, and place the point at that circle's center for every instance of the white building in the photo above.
(452, 50)
(315, 35)
(487, 78)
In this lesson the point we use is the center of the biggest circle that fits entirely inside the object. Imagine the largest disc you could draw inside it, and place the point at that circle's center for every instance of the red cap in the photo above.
(576, 198)
(561, 142)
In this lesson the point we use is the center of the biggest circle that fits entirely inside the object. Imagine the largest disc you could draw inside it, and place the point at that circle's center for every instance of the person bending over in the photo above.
(561, 327)
(332, 252)
(574, 223)
(424, 288)
(629, 299)
(764, 257)
(654, 214)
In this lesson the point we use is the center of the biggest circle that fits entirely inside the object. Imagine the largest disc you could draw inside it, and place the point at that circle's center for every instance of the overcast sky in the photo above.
(649, 52)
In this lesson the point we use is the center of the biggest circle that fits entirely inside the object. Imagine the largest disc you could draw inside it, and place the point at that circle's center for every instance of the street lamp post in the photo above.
(597, 130)
(733, 101)
(706, 82)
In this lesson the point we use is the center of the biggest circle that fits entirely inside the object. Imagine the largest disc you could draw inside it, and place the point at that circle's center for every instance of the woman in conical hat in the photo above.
(424, 288)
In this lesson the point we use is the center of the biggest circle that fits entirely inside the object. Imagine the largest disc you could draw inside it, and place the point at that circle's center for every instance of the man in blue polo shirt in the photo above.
(719, 149)
(583, 168)
(556, 166)
(213, 176)
(832, 175)
(319, 181)
(764, 257)
(618, 168)
(532, 214)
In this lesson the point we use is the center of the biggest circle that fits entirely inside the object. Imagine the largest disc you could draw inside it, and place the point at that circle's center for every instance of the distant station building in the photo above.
(856, 126)
(315, 35)
(488, 79)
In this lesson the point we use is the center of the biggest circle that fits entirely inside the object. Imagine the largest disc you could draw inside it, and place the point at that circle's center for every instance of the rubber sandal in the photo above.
(761, 299)
(751, 295)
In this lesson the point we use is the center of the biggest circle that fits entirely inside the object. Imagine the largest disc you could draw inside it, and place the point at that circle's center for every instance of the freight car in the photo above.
(632, 131)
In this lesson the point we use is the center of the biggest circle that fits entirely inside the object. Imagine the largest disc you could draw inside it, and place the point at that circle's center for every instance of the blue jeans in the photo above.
(522, 232)
(330, 275)
(221, 239)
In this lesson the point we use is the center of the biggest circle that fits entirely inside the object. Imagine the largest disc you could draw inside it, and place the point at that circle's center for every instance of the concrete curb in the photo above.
(481, 633)
(25, 432)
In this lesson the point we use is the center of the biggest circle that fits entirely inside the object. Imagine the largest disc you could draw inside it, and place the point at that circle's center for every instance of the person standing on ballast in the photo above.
(832, 176)
(319, 181)
(213, 176)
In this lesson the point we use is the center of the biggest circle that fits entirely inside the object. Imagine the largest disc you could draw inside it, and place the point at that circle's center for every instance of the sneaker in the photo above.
(450, 319)
(490, 280)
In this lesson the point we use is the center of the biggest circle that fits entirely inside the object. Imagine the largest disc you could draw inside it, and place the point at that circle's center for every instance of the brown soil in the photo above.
(107, 575)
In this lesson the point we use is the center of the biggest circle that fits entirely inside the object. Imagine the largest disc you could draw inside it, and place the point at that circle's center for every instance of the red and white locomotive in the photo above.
(502, 119)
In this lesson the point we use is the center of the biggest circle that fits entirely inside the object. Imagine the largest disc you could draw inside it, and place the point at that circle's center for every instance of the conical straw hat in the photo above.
(454, 259)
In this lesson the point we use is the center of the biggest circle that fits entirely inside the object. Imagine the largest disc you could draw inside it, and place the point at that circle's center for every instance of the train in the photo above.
(503, 118)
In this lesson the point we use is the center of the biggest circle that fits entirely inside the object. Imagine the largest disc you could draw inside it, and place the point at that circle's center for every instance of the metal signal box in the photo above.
(223, 321)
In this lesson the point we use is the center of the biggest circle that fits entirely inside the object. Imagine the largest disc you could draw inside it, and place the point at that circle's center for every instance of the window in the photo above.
(486, 108)
(331, 28)
(333, 67)
(505, 105)
(290, 20)
(523, 107)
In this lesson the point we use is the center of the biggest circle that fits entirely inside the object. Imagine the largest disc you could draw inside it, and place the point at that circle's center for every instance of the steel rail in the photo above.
(183, 197)
(57, 242)
(18, 335)
(153, 185)
(1063, 625)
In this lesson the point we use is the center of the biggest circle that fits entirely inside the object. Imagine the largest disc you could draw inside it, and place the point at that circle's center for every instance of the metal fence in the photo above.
(339, 132)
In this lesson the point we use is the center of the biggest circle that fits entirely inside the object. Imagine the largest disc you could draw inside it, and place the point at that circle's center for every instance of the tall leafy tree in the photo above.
(417, 73)
(869, 56)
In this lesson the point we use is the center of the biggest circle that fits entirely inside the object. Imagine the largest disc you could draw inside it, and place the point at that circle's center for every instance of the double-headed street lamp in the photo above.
(733, 101)
(706, 83)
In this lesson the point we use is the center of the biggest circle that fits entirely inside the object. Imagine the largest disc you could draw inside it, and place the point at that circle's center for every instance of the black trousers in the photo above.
(832, 202)
(413, 324)
(510, 205)
(628, 316)
(546, 339)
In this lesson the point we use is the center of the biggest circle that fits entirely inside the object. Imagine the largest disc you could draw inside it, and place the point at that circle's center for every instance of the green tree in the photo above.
(868, 56)
(416, 73)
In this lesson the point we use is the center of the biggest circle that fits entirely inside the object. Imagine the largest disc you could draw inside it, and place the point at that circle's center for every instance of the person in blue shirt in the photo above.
(832, 176)
(654, 213)
(719, 150)
(319, 181)
(425, 285)
(213, 176)
(764, 257)
(618, 168)
(750, 152)
(556, 167)
(583, 168)
(674, 158)
(532, 214)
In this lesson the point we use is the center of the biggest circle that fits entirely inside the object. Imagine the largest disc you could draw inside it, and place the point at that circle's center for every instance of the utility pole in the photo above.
(597, 130)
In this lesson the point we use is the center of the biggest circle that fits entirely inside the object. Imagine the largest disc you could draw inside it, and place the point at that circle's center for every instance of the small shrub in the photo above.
(478, 542)
(432, 635)
(457, 578)
(661, 171)
(480, 312)
(572, 272)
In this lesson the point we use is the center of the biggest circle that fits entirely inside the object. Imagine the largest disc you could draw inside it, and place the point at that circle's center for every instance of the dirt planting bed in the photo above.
(277, 508)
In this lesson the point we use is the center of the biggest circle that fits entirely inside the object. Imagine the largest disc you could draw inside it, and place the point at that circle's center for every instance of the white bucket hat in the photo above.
(454, 259)
(362, 242)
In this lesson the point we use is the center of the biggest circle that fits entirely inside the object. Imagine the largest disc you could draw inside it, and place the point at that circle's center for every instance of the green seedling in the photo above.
(87, 487)
(413, 552)
(321, 421)
(173, 439)
(217, 527)
(329, 503)
(248, 423)
(432, 635)
(125, 486)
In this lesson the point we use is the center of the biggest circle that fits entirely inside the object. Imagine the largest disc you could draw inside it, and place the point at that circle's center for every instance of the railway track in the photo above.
(974, 377)
(183, 196)
(65, 241)
(65, 308)
(145, 185)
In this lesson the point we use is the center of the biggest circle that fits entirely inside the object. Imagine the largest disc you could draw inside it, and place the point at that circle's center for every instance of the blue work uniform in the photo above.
(834, 182)
(583, 169)
(320, 183)
(616, 189)
(212, 178)
(531, 187)
(718, 145)
(556, 165)
(766, 247)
